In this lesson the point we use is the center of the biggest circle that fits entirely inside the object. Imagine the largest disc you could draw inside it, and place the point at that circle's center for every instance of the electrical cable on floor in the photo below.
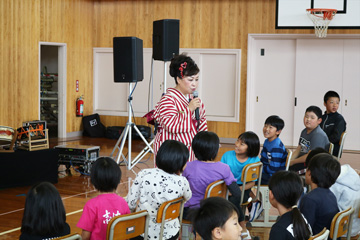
(83, 173)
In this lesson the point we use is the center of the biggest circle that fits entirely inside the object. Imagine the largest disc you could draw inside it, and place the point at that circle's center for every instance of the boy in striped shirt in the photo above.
(273, 153)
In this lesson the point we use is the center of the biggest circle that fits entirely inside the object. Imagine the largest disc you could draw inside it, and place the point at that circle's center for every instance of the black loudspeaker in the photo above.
(128, 59)
(165, 39)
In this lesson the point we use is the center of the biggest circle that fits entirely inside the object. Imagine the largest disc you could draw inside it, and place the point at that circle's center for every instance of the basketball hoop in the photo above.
(321, 18)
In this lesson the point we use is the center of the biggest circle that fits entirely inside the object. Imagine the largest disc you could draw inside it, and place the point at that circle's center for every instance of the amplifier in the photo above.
(78, 155)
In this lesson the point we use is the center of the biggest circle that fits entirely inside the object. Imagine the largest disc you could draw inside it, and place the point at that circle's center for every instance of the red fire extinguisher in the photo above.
(79, 107)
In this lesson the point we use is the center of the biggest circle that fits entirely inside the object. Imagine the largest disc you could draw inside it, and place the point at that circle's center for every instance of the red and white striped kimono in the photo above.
(176, 122)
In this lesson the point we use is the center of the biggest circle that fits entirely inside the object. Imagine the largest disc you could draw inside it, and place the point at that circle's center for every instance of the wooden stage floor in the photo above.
(76, 189)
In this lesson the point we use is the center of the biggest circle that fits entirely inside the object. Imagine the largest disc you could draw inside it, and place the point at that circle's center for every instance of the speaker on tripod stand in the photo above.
(128, 59)
(166, 39)
(128, 68)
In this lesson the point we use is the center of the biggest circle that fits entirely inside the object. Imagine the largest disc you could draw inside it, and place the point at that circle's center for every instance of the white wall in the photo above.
(219, 84)
(305, 68)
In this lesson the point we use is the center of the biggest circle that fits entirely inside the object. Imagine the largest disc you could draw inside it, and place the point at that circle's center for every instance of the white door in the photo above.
(272, 86)
(350, 98)
(319, 68)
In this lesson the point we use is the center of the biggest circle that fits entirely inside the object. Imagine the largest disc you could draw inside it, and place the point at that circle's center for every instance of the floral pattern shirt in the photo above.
(150, 189)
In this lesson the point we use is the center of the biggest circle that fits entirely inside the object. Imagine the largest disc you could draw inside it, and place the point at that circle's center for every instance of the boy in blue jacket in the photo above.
(333, 123)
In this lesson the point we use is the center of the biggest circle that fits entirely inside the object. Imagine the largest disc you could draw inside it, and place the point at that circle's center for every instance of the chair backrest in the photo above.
(341, 224)
(251, 172)
(288, 158)
(216, 189)
(128, 226)
(73, 236)
(341, 143)
(331, 148)
(323, 235)
(170, 210)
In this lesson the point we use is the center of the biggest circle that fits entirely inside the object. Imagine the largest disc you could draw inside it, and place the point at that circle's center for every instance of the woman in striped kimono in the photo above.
(175, 113)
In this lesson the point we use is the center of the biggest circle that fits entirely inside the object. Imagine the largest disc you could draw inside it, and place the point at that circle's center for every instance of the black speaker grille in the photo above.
(128, 59)
(165, 39)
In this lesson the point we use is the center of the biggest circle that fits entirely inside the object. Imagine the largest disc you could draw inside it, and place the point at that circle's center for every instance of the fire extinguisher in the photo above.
(80, 107)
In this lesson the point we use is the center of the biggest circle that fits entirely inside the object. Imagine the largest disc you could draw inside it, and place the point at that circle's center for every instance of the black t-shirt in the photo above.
(283, 228)
(26, 236)
(319, 207)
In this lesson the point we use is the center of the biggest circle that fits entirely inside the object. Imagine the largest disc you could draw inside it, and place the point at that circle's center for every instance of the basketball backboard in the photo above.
(292, 13)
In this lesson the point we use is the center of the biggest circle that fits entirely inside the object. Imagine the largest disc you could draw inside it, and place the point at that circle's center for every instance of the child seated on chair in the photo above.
(246, 151)
(347, 192)
(285, 189)
(217, 218)
(105, 176)
(154, 186)
(311, 137)
(273, 154)
(311, 154)
(319, 206)
(44, 213)
(333, 123)
(202, 172)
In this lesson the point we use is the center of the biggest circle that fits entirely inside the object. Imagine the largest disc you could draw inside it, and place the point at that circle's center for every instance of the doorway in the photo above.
(52, 90)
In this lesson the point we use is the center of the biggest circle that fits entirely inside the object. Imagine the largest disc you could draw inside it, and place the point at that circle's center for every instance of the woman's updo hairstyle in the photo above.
(182, 65)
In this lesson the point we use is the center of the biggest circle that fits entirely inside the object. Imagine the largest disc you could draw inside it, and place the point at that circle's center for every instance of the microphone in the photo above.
(197, 115)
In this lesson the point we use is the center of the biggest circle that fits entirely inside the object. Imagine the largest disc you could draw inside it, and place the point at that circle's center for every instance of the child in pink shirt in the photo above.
(97, 213)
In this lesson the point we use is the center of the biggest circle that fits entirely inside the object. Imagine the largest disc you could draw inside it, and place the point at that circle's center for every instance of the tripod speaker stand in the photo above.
(126, 134)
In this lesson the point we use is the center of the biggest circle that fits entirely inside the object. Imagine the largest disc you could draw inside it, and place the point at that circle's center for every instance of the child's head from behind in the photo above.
(205, 145)
(105, 174)
(172, 156)
(272, 127)
(286, 187)
(312, 117)
(44, 211)
(217, 218)
(331, 101)
(248, 143)
(312, 153)
(323, 170)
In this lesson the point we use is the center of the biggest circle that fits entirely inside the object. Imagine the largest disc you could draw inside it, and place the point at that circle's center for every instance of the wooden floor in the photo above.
(76, 189)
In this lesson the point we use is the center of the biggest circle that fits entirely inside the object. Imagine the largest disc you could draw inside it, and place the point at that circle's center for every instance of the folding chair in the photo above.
(170, 210)
(331, 148)
(73, 236)
(217, 189)
(128, 226)
(251, 172)
(288, 159)
(214, 189)
(341, 143)
(323, 235)
(341, 224)
(264, 192)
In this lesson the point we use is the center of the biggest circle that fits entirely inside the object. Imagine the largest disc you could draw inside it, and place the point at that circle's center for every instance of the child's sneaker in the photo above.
(256, 210)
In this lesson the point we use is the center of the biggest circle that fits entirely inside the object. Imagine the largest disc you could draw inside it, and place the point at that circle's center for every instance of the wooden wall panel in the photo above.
(23, 25)
(203, 24)
(71, 22)
(84, 24)
(19, 36)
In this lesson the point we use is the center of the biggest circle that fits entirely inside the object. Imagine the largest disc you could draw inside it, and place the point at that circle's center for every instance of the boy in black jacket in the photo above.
(333, 122)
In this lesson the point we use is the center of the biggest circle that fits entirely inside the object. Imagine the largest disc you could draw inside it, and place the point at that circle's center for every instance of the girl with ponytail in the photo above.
(285, 191)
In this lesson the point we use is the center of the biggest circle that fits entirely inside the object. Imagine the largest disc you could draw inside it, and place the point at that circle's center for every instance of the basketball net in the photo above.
(321, 19)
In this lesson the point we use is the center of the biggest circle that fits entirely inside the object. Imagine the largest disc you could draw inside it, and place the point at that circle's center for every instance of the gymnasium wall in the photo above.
(84, 24)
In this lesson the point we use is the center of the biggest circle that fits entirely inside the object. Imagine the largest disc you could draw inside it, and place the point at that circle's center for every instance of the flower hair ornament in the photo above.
(181, 68)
